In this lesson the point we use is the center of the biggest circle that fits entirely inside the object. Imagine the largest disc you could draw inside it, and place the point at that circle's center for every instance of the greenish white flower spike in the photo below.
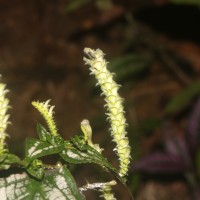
(47, 112)
(3, 116)
(104, 188)
(98, 67)
(106, 191)
(94, 186)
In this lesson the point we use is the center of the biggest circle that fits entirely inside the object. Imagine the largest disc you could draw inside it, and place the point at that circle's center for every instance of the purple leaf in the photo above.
(197, 193)
(171, 146)
(169, 142)
(178, 147)
(160, 163)
(193, 127)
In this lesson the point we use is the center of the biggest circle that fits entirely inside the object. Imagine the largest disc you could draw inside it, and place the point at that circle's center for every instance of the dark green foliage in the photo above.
(82, 153)
(130, 66)
(41, 182)
(56, 184)
(37, 149)
(181, 100)
(36, 169)
(76, 4)
(8, 159)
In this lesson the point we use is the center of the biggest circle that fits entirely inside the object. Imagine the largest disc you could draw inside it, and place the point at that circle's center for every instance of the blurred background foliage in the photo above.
(192, 2)
(76, 4)
(153, 48)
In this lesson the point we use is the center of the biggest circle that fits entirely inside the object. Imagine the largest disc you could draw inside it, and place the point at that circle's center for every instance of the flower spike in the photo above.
(104, 188)
(3, 116)
(98, 67)
(47, 112)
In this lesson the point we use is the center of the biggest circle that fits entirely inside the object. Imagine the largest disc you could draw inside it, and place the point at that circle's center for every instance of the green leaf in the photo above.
(181, 100)
(36, 149)
(3, 164)
(3, 157)
(129, 66)
(13, 159)
(36, 169)
(76, 4)
(8, 159)
(44, 135)
(83, 153)
(104, 4)
(56, 184)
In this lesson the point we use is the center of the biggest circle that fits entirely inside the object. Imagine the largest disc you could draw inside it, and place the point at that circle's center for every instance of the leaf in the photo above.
(56, 184)
(103, 4)
(194, 127)
(76, 4)
(83, 153)
(2, 157)
(7, 159)
(13, 159)
(181, 100)
(3, 165)
(160, 163)
(74, 156)
(44, 135)
(36, 169)
(36, 149)
(177, 146)
(197, 192)
(129, 66)
(94, 155)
